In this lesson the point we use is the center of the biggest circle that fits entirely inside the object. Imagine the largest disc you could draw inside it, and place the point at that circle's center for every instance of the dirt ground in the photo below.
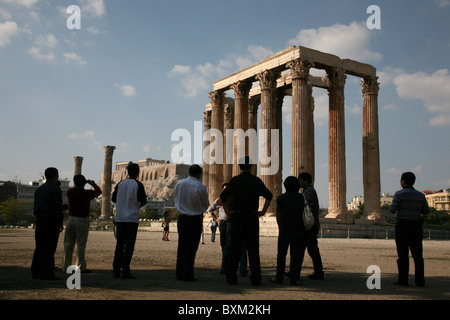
(345, 263)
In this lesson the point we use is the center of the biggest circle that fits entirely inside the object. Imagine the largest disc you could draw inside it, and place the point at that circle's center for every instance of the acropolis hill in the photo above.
(159, 178)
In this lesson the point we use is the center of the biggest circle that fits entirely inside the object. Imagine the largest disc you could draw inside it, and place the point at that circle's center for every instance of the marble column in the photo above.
(336, 147)
(78, 165)
(206, 141)
(371, 151)
(241, 92)
(253, 104)
(229, 155)
(278, 190)
(106, 191)
(301, 118)
(268, 82)
(311, 134)
(216, 167)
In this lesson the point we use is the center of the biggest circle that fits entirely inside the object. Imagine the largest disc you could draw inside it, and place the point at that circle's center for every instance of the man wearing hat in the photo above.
(77, 226)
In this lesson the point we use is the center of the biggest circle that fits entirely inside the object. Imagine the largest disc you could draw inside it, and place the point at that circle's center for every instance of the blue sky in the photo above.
(138, 70)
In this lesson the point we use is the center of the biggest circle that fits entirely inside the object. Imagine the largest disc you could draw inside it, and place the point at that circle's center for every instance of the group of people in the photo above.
(237, 218)
(48, 209)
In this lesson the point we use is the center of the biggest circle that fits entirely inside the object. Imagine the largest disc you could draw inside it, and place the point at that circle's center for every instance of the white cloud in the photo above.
(94, 8)
(25, 3)
(48, 41)
(43, 47)
(346, 41)
(193, 84)
(196, 79)
(127, 90)
(72, 57)
(86, 134)
(432, 89)
(178, 70)
(94, 30)
(8, 29)
(354, 109)
(443, 3)
(5, 15)
(390, 106)
(39, 54)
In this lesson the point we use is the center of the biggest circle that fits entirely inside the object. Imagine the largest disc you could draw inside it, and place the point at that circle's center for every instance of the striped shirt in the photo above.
(409, 204)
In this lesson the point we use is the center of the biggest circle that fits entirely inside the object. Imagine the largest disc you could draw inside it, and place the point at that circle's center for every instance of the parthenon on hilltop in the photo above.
(288, 73)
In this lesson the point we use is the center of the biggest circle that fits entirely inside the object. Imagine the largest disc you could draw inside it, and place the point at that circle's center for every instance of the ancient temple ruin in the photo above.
(288, 73)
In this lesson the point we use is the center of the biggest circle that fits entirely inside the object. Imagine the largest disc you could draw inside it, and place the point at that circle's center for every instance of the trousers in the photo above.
(409, 236)
(77, 230)
(189, 234)
(126, 238)
(46, 239)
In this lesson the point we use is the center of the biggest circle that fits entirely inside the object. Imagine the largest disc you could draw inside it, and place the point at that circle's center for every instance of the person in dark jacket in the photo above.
(48, 209)
(290, 207)
(241, 196)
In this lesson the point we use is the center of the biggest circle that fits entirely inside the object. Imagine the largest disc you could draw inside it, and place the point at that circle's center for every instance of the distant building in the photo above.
(17, 190)
(385, 199)
(440, 200)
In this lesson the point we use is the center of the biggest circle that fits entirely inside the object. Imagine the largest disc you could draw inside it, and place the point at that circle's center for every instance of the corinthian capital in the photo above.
(109, 150)
(300, 68)
(267, 79)
(336, 77)
(228, 112)
(216, 97)
(207, 118)
(370, 85)
(241, 89)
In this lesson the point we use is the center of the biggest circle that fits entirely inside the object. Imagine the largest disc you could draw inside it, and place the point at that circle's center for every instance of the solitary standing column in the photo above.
(216, 167)
(106, 192)
(206, 126)
(241, 92)
(301, 116)
(371, 151)
(268, 171)
(336, 148)
(78, 164)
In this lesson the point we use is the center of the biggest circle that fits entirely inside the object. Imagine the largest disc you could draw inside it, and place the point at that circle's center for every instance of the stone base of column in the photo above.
(339, 216)
(373, 217)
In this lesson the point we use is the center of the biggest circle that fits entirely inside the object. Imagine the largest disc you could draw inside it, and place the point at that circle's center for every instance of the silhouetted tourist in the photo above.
(225, 237)
(409, 205)
(309, 241)
(77, 226)
(291, 228)
(48, 209)
(245, 190)
(191, 201)
(129, 195)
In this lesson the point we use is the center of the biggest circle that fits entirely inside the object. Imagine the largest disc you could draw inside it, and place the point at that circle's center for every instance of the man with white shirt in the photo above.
(129, 196)
(191, 201)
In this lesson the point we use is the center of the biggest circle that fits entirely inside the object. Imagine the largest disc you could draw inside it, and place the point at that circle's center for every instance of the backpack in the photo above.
(308, 218)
